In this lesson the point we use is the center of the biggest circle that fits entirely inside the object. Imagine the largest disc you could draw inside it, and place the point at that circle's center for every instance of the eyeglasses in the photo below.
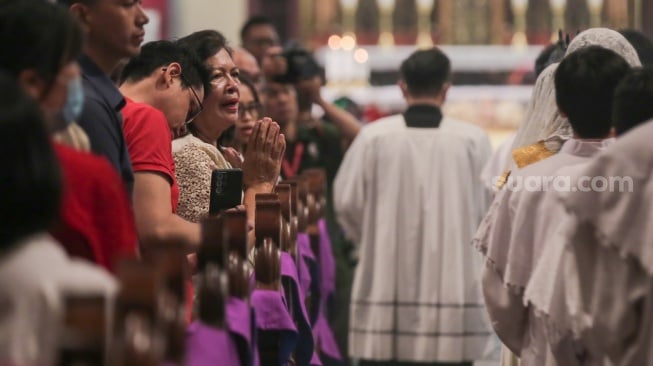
(193, 114)
(254, 109)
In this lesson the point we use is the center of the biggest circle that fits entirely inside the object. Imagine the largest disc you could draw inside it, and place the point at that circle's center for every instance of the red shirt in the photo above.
(149, 142)
(96, 220)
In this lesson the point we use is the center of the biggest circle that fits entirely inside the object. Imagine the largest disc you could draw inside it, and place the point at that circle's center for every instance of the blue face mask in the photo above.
(74, 101)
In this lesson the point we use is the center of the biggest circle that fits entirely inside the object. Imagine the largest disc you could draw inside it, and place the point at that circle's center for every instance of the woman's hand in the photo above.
(264, 154)
(232, 156)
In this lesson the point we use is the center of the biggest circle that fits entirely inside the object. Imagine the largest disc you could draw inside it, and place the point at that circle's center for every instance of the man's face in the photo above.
(259, 38)
(182, 104)
(280, 102)
(116, 26)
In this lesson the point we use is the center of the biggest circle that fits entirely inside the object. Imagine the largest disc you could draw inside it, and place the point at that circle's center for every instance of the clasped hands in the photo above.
(264, 153)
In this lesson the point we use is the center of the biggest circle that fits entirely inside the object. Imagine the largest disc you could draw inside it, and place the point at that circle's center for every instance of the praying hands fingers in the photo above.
(262, 163)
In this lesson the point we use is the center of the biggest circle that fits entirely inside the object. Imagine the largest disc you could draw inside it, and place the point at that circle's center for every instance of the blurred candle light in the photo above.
(595, 7)
(361, 56)
(386, 38)
(558, 21)
(424, 8)
(519, 8)
(349, 16)
(348, 43)
(334, 42)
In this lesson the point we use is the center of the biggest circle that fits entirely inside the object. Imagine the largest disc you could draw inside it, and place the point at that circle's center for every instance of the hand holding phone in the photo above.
(226, 190)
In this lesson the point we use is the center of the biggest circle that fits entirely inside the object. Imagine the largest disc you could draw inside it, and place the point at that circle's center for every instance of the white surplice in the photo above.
(34, 275)
(411, 199)
(604, 259)
(507, 237)
(498, 164)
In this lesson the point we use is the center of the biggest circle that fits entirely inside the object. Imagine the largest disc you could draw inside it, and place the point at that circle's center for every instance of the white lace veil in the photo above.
(606, 38)
(542, 121)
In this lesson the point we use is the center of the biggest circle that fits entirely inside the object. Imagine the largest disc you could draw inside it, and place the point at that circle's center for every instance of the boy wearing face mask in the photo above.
(73, 135)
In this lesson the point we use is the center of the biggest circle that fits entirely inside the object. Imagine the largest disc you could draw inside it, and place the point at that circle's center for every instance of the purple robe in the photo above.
(305, 346)
(327, 262)
(239, 320)
(272, 315)
(304, 251)
(210, 346)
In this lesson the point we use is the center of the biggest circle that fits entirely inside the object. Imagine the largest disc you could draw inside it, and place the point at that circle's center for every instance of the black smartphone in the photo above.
(226, 189)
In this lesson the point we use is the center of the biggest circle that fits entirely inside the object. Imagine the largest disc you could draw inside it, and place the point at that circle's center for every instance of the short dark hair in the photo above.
(31, 181)
(252, 22)
(642, 44)
(161, 53)
(633, 99)
(35, 34)
(205, 43)
(584, 83)
(551, 54)
(68, 3)
(425, 72)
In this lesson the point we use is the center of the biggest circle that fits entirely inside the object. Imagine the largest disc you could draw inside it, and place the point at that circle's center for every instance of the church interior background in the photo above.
(492, 44)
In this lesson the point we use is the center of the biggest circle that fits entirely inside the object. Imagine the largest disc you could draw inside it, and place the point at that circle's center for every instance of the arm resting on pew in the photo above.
(155, 221)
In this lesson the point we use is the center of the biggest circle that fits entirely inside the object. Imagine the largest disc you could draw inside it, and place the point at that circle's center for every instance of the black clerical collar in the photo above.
(423, 116)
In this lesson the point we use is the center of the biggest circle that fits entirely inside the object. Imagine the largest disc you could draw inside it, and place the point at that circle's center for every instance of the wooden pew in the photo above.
(138, 338)
(288, 198)
(267, 266)
(235, 237)
(84, 338)
(169, 259)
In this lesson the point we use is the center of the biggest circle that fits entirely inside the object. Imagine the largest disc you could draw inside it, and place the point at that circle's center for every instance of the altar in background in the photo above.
(491, 84)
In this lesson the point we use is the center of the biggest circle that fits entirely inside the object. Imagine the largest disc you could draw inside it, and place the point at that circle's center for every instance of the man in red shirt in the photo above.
(164, 88)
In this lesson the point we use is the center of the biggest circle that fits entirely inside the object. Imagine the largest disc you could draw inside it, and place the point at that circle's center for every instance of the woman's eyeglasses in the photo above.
(254, 109)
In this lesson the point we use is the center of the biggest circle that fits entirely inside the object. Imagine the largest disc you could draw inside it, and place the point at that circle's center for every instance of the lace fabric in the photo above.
(542, 121)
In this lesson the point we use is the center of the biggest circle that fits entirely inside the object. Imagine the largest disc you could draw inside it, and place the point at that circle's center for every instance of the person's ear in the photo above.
(613, 132)
(83, 14)
(404, 87)
(33, 85)
(445, 90)
(172, 72)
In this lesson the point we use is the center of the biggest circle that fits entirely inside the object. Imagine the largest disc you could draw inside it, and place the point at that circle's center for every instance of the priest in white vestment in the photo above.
(409, 194)
(584, 84)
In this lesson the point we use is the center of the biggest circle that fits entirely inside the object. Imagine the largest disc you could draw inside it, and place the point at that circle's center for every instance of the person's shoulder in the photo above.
(190, 150)
(81, 276)
(79, 165)
(135, 112)
(31, 253)
(384, 125)
(464, 127)
(95, 109)
(81, 159)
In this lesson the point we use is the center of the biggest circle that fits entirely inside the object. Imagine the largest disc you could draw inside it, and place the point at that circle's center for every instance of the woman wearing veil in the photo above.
(545, 130)
(542, 136)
